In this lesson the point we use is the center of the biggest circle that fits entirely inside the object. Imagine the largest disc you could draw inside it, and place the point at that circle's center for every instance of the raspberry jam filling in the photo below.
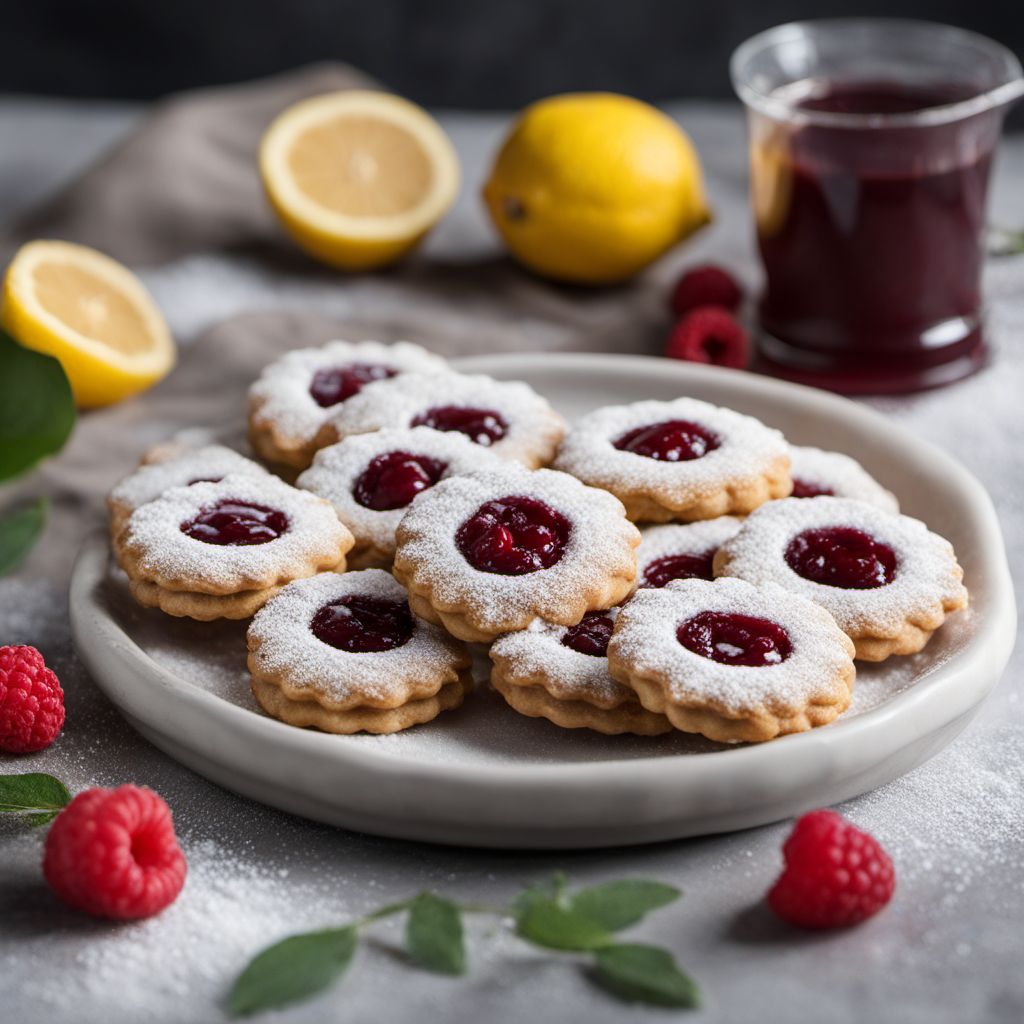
(671, 441)
(484, 426)
(393, 479)
(805, 489)
(841, 556)
(513, 536)
(334, 384)
(678, 567)
(590, 635)
(363, 625)
(733, 639)
(236, 524)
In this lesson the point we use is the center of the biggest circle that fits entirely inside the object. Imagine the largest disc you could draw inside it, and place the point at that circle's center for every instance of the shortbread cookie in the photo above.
(817, 473)
(561, 673)
(221, 550)
(507, 417)
(679, 460)
(185, 466)
(487, 553)
(886, 580)
(732, 661)
(371, 479)
(294, 395)
(344, 654)
(681, 551)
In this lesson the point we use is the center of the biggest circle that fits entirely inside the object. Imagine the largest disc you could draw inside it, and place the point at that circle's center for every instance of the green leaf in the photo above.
(36, 794)
(548, 890)
(546, 923)
(37, 411)
(616, 905)
(19, 530)
(293, 969)
(644, 974)
(433, 934)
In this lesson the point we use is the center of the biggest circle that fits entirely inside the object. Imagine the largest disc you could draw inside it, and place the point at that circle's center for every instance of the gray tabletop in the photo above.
(947, 949)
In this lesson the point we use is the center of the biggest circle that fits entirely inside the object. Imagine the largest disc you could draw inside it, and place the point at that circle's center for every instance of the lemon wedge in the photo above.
(357, 177)
(92, 314)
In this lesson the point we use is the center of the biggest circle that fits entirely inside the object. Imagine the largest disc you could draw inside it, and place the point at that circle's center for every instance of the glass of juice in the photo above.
(871, 145)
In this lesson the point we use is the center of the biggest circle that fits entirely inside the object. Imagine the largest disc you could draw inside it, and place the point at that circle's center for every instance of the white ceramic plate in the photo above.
(486, 776)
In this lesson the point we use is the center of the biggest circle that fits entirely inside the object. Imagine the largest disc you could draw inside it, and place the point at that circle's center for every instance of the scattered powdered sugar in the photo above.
(599, 546)
(843, 476)
(282, 390)
(150, 481)
(683, 539)
(815, 670)
(336, 469)
(568, 674)
(533, 428)
(927, 573)
(747, 450)
(165, 553)
(287, 645)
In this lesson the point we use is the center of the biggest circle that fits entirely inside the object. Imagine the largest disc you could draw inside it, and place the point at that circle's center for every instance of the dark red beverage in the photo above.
(871, 238)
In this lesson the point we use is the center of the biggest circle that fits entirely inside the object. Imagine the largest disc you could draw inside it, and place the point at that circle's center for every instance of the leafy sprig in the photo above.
(545, 914)
(36, 795)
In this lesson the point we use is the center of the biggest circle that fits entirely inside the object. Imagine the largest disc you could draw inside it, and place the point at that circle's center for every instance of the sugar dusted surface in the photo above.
(282, 389)
(926, 571)
(747, 450)
(154, 533)
(683, 539)
(150, 481)
(397, 402)
(844, 476)
(336, 468)
(645, 638)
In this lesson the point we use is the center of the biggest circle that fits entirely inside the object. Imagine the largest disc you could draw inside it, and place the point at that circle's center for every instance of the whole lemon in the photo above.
(592, 187)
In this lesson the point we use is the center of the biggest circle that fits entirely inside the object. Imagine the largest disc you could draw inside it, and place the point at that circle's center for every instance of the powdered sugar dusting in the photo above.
(645, 639)
(166, 555)
(926, 573)
(747, 449)
(287, 645)
(843, 476)
(683, 539)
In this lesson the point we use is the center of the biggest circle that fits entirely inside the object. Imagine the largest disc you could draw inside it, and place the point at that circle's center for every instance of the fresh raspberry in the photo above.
(709, 335)
(113, 853)
(706, 286)
(31, 701)
(835, 875)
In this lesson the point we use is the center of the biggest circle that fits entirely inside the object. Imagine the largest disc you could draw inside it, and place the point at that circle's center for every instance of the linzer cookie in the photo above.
(885, 578)
(221, 550)
(371, 479)
(679, 460)
(487, 553)
(732, 661)
(174, 467)
(344, 654)
(294, 395)
(508, 418)
(561, 673)
(817, 473)
(681, 551)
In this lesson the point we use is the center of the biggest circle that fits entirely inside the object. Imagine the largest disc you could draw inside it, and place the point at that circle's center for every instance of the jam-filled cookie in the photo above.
(294, 395)
(487, 553)
(885, 578)
(371, 479)
(180, 467)
(679, 460)
(222, 550)
(731, 661)
(507, 417)
(561, 673)
(344, 654)
(681, 551)
(817, 473)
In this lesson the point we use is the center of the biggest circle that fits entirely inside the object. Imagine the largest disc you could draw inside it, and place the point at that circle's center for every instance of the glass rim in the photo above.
(785, 110)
